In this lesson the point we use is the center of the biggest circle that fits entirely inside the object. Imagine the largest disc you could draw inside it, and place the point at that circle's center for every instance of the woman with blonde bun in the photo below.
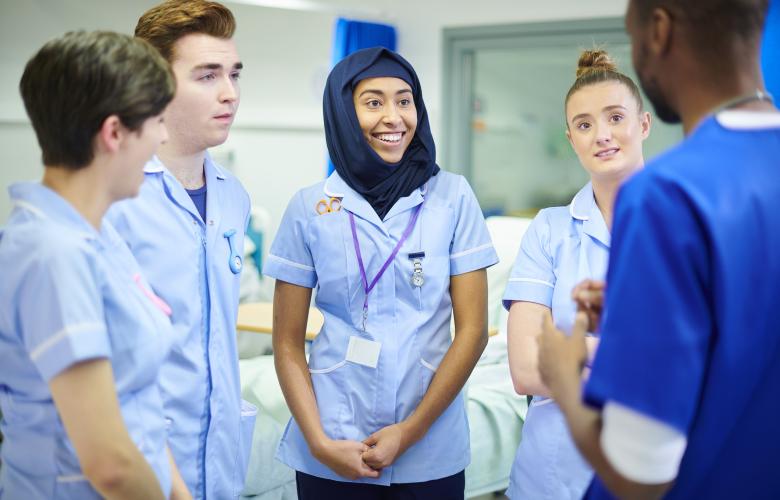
(606, 125)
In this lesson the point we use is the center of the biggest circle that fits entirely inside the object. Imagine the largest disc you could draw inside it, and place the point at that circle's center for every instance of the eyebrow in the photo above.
(215, 66)
(375, 91)
(608, 108)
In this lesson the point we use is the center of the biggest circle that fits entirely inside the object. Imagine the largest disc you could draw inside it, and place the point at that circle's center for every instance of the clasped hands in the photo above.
(356, 459)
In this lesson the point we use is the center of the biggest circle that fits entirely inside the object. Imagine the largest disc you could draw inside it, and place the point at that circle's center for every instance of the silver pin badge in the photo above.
(417, 274)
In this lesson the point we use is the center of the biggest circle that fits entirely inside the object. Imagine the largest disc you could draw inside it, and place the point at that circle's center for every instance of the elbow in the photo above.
(109, 472)
(520, 387)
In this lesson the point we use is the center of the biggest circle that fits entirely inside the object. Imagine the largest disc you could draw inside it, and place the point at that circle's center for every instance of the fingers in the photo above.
(580, 327)
(371, 440)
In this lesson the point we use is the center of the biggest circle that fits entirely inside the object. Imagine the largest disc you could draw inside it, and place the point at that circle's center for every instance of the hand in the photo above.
(386, 445)
(589, 296)
(345, 458)
(562, 358)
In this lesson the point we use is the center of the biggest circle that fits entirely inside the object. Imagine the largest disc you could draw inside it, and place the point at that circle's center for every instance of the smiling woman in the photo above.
(378, 410)
(387, 115)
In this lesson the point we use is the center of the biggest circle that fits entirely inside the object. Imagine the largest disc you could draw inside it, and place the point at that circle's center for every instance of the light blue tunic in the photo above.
(187, 261)
(563, 246)
(71, 294)
(412, 324)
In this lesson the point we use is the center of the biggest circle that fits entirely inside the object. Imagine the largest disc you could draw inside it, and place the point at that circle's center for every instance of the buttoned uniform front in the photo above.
(71, 294)
(563, 246)
(411, 323)
(187, 261)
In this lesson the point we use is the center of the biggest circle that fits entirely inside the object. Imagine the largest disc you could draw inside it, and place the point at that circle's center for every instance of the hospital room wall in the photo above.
(277, 143)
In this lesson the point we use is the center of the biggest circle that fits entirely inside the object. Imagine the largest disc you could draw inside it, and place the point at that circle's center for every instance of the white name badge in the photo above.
(363, 352)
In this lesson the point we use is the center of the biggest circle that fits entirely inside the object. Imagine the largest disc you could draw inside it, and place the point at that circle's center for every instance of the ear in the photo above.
(661, 30)
(110, 135)
(568, 136)
(645, 121)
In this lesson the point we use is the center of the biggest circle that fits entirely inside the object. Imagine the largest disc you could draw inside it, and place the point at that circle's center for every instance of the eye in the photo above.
(208, 77)
(405, 102)
(616, 118)
(236, 75)
(583, 126)
(373, 103)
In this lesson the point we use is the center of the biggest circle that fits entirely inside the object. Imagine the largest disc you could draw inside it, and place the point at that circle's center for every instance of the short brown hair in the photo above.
(73, 83)
(171, 20)
(596, 66)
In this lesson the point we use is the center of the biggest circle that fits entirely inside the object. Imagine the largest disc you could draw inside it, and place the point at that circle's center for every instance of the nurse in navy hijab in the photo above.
(376, 127)
(394, 246)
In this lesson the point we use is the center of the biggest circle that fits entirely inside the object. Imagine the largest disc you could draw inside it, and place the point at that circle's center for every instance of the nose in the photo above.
(391, 117)
(603, 133)
(229, 91)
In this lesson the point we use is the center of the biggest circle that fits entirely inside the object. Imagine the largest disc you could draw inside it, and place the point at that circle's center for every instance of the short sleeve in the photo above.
(290, 258)
(657, 329)
(533, 278)
(471, 246)
(61, 313)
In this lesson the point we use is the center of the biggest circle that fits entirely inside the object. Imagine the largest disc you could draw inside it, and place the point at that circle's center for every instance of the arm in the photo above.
(561, 360)
(469, 304)
(291, 307)
(524, 326)
(108, 457)
(179, 490)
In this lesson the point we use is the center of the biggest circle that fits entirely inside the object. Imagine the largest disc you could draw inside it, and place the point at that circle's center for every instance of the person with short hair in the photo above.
(82, 335)
(606, 125)
(186, 228)
(682, 398)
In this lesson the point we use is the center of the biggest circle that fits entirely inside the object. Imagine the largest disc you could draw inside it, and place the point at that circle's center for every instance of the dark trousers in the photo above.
(316, 488)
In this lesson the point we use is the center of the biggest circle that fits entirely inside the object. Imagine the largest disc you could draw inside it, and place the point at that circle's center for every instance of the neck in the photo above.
(186, 166)
(702, 98)
(78, 187)
(605, 191)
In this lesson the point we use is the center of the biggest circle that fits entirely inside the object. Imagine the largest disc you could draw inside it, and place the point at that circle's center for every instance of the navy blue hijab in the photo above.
(379, 182)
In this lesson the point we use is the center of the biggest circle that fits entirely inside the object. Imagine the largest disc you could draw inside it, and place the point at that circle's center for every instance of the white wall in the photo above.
(277, 144)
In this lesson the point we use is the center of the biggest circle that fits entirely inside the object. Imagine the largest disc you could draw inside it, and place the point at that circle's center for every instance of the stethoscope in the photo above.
(235, 262)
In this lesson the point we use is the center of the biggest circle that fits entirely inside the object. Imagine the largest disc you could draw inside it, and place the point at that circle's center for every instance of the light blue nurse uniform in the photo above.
(563, 246)
(188, 262)
(411, 323)
(69, 294)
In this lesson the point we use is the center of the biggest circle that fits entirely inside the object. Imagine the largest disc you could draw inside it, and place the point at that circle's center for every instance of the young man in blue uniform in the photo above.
(686, 378)
(186, 229)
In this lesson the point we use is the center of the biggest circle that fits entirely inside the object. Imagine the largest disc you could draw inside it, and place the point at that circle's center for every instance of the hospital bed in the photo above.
(495, 412)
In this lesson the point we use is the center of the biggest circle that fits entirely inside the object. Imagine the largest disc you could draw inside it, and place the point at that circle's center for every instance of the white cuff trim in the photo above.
(291, 263)
(470, 251)
(68, 331)
(530, 280)
(641, 448)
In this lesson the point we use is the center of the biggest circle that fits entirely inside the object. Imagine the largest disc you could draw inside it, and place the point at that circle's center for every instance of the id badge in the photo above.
(363, 351)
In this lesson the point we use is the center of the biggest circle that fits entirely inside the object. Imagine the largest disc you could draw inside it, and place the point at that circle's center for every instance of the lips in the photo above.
(224, 116)
(389, 138)
(606, 153)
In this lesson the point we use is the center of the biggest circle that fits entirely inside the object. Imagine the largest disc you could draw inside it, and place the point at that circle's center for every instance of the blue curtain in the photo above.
(350, 36)
(770, 50)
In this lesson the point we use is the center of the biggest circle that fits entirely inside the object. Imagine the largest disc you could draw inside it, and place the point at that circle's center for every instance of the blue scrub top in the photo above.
(187, 261)
(691, 335)
(412, 324)
(562, 246)
(71, 294)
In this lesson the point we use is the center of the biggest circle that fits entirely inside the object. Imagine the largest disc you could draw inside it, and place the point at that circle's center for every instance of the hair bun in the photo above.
(594, 60)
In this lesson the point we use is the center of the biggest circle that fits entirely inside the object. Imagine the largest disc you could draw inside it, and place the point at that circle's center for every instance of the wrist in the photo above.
(319, 445)
(413, 431)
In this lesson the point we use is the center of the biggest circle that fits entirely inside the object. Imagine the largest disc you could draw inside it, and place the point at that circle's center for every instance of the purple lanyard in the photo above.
(366, 286)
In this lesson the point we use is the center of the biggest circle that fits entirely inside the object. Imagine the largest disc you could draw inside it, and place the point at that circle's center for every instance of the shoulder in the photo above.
(303, 204)
(448, 189)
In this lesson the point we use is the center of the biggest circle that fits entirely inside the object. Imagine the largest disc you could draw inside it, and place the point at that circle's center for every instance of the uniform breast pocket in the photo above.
(335, 277)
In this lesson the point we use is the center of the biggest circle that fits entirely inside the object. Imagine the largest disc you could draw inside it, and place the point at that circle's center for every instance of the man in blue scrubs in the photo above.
(687, 376)
(186, 228)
